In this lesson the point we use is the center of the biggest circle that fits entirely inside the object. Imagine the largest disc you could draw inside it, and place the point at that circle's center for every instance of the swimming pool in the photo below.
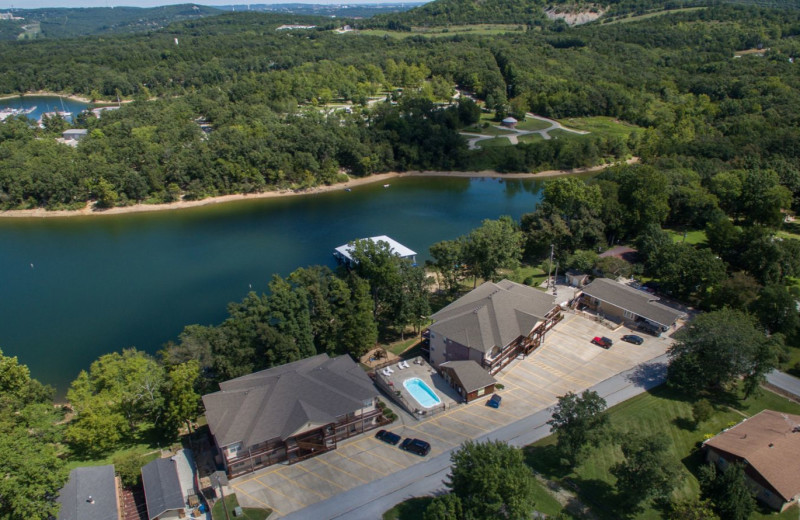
(420, 391)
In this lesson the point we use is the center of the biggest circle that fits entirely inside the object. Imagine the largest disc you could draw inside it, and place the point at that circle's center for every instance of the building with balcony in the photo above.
(492, 325)
(290, 412)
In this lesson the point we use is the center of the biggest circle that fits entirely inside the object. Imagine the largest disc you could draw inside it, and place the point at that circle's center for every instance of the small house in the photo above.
(625, 304)
(89, 494)
(468, 378)
(768, 445)
(163, 492)
(74, 134)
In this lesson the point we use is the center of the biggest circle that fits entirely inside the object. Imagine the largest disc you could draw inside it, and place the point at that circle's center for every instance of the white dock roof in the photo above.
(394, 246)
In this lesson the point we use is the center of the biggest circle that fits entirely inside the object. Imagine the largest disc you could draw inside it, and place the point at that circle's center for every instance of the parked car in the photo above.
(648, 328)
(602, 341)
(388, 437)
(417, 446)
(633, 338)
(494, 402)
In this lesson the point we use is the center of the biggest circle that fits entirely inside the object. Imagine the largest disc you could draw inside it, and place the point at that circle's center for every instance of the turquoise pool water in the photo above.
(421, 392)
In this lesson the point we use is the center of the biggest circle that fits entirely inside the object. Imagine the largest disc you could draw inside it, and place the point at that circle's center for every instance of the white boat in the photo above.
(386, 185)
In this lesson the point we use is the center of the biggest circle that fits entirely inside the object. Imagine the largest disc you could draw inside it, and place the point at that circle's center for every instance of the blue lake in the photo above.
(74, 289)
(44, 104)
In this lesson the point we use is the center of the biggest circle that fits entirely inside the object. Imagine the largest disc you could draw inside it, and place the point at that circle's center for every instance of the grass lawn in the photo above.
(651, 15)
(530, 138)
(399, 347)
(692, 237)
(662, 412)
(522, 273)
(533, 124)
(602, 125)
(144, 445)
(496, 142)
(250, 513)
(477, 29)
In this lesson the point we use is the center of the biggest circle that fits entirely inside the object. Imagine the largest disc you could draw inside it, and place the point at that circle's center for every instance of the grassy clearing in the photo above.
(530, 138)
(433, 32)
(146, 445)
(231, 502)
(531, 124)
(692, 237)
(497, 142)
(399, 347)
(629, 19)
(662, 412)
(602, 125)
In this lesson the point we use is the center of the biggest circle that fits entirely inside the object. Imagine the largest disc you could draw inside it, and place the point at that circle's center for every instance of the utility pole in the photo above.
(550, 267)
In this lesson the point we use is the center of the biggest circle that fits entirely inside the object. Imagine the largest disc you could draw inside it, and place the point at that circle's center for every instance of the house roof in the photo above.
(284, 400)
(509, 120)
(770, 443)
(394, 246)
(471, 375)
(494, 314)
(162, 488)
(96, 482)
(633, 300)
(75, 131)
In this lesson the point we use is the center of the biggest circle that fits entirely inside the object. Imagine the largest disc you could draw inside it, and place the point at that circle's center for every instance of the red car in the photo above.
(602, 341)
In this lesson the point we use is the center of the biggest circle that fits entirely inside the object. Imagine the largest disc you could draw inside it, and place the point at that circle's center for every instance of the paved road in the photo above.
(371, 500)
(785, 382)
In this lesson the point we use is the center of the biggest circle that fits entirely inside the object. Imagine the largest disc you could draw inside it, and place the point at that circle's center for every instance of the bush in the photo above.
(702, 411)
(129, 468)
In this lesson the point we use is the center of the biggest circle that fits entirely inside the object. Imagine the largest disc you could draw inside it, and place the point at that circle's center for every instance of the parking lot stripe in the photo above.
(442, 426)
(351, 459)
(340, 469)
(317, 475)
(446, 441)
(297, 483)
(471, 424)
(275, 509)
(278, 492)
(473, 414)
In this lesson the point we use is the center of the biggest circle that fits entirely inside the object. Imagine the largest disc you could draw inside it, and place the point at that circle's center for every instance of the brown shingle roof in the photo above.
(471, 374)
(638, 302)
(278, 402)
(770, 443)
(494, 314)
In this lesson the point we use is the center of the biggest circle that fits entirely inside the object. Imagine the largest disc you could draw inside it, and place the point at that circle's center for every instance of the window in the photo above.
(629, 315)
(481, 392)
(367, 403)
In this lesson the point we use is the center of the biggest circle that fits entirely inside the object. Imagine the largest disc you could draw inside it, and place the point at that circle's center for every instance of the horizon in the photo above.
(43, 4)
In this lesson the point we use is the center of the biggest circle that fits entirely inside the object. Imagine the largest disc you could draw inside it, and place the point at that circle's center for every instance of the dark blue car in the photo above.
(494, 402)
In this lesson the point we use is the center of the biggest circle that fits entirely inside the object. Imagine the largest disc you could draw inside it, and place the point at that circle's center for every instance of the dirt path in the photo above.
(516, 133)
(91, 210)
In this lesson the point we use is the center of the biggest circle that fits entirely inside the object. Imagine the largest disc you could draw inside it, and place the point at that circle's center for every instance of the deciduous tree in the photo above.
(578, 421)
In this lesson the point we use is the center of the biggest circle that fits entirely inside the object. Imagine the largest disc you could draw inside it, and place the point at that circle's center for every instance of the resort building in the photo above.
(89, 494)
(290, 412)
(768, 445)
(343, 252)
(624, 304)
(492, 325)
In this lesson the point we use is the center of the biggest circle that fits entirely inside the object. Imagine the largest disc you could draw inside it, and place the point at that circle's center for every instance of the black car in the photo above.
(417, 446)
(388, 437)
(602, 341)
(633, 338)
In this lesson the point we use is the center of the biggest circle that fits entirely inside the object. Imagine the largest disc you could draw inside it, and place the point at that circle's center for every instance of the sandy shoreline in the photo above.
(43, 93)
(89, 209)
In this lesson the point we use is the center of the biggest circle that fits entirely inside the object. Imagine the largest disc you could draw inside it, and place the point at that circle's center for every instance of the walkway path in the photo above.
(513, 137)
(427, 478)
(784, 382)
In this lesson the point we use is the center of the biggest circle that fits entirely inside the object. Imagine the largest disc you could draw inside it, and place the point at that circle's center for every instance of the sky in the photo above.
(35, 4)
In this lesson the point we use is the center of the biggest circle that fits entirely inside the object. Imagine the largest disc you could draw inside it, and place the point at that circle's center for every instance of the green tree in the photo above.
(448, 261)
(129, 468)
(702, 411)
(492, 481)
(776, 309)
(728, 491)
(647, 473)
(578, 421)
(444, 507)
(496, 244)
(182, 402)
(717, 348)
(692, 510)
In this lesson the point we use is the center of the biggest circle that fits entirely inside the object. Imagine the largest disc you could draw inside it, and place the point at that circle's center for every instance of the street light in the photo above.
(221, 479)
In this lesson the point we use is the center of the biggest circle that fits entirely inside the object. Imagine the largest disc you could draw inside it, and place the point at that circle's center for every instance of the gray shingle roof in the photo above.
(627, 298)
(97, 482)
(162, 488)
(494, 314)
(471, 374)
(280, 401)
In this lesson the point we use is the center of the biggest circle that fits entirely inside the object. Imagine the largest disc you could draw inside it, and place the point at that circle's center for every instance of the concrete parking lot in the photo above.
(567, 361)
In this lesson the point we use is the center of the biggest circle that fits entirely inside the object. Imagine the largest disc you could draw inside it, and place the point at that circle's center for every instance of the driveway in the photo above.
(515, 133)
(567, 361)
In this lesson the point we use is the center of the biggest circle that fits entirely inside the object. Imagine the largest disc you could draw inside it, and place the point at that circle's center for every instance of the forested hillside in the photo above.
(71, 22)
(264, 97)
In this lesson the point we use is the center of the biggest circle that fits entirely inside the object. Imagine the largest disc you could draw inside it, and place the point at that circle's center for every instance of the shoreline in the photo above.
(90, 210)
(44, 93)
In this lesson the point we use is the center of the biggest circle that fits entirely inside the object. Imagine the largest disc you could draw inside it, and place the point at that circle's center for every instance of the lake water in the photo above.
(44, 104)
(74, 289)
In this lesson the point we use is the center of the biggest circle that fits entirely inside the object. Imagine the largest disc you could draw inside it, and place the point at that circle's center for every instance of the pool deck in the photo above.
(427, 374)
